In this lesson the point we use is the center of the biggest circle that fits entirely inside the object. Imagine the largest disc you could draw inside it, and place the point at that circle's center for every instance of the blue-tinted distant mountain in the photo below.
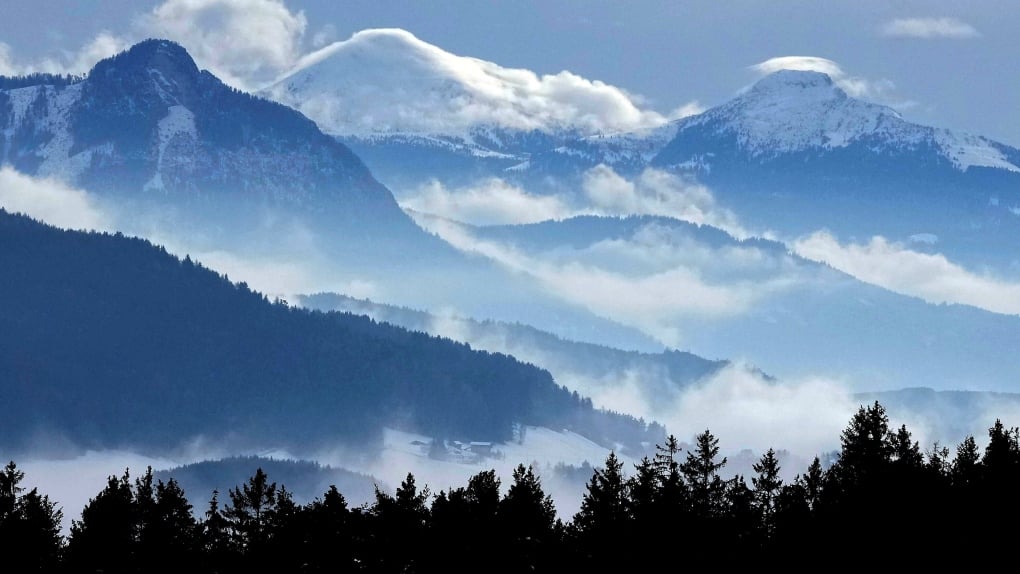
(415, 112)
(111, 342)
(586, 364)
(176, 154)
(807, 318)
(305, 480)
(148, 124)
(796, 153)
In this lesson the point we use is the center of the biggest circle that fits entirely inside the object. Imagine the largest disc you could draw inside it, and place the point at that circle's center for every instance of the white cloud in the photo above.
(360, 86)
(493, 201)
(691, 108)
(656, 192)
(490, 202)
(50, 201)
(245, 42)
(656, 303)
(324, 36)
(104, 45)
(928, 28)
(746, 411)
(7, 65)
(858, 87)
(931, 277)
(250, 43)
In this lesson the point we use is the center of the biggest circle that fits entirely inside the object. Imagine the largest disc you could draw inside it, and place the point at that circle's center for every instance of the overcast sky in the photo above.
(945, 63)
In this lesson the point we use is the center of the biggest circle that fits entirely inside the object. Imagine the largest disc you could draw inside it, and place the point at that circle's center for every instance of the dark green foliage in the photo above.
(113, 340)
(38, 79)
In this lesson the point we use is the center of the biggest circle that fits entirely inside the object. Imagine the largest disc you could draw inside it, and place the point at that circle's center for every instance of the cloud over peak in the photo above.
(929, 28)
(855, 86)
(388, 80)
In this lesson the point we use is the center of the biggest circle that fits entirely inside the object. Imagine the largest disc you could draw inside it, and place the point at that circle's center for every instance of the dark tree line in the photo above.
(882, 501)
(184, 351)
(39, 79)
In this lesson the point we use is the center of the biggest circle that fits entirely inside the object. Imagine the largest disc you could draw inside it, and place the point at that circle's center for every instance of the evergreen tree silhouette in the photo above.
(330, 545)
(250, 515)
(701, 472)
(604, 518)
(105, 539)
(29, 525)
(767, 486)
(527, 519)
(216, 544)
(401, 524)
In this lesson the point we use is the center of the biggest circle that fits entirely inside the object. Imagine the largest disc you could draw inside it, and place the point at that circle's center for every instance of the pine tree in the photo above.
(106, 536)
(866, 448)
(251, 512)
(767, 486)
(330, 540)
(170, 533)
(701, 472)
(906, 453)
(604, 516)
(527, 520)
(10, 490)
(29, 524)
(401, 522)
(813, 482)
(216, 543)
(740, 521)
(644, 489)
(1003, 451)
(967, 464)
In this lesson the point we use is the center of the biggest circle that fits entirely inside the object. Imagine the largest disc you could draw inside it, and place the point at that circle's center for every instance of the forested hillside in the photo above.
(112, 341)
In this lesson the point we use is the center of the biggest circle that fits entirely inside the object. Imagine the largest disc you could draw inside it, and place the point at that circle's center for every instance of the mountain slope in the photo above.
(110, 341)
(587, 368)
(147, 123)
(789, 316)
(795, 153)
(414, 111)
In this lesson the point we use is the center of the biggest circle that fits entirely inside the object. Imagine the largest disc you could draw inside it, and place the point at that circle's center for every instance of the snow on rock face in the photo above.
(389, 81)
(44, 111)
(966, 150)
(791, 111)
(177, 128)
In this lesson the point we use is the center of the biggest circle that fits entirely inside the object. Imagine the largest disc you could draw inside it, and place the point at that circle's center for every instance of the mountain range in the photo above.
(791, 154)
(117, 342)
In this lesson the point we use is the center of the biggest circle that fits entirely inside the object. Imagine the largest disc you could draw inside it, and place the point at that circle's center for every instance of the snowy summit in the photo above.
(387, 81)
(792, 111)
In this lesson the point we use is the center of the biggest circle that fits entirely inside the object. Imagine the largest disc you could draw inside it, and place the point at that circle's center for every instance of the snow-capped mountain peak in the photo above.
(795, 111)
(807, 84)
(387, 81)
(791, 110)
